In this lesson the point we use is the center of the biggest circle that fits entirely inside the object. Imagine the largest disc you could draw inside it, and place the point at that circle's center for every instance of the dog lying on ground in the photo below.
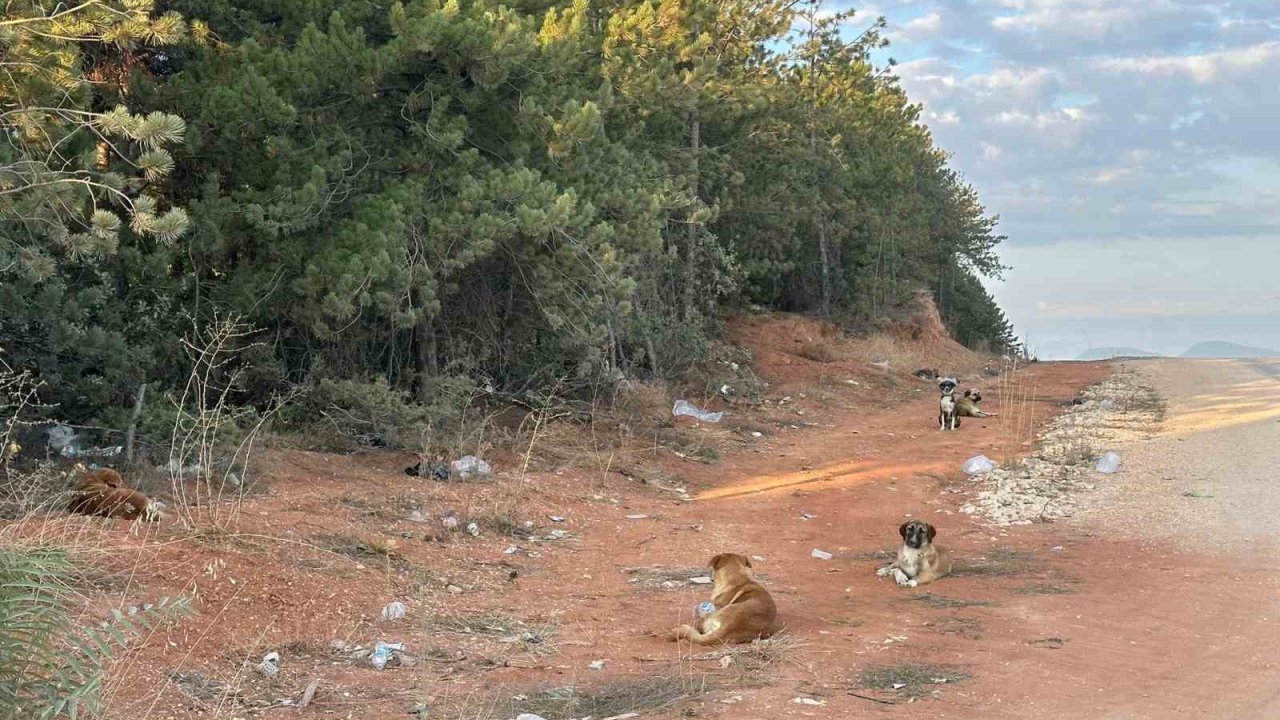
(102, 493)
(967, 406)
(919, 561)
(947, 417)
(744, 611)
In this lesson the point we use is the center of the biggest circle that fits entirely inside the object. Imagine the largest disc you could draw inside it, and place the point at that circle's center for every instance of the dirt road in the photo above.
(1158, 600)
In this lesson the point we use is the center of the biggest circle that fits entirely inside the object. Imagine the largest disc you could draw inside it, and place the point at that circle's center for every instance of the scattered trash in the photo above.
(270, 665)
(637, 517)
(882, 365)
(899, 686)
(417, 516)
(449, 521)
(382, 652)
(473, 529)
(726, 390)
(558, 535)
(821, 554)
(756, 434)
(1196, 494)
(684, 407)
(808, 701)
(425, 468)
(1108, 463)
(807, 515)
(394, 611)
(555, 518)
(60, 437)
(700, 580)
(978, 465)
(1057, 548)
(705, 608)
(726, 661)
(454, 590)
(595, 665)
(468, 466)
(529, 716)
(926, 374)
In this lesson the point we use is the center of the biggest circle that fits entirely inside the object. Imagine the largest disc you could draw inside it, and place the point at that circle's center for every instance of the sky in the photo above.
(1131, 149)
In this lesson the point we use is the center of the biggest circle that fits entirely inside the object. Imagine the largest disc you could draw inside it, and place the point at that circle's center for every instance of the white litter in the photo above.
(394, 611)
(820, 554)
(684, 407)
(978, 465)
(1108, 463)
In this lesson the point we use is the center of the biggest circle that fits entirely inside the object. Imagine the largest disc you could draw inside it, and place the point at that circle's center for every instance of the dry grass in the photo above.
(606, 699)
(1001, 562)
(939, 601)
(910, 680)
(372, 547)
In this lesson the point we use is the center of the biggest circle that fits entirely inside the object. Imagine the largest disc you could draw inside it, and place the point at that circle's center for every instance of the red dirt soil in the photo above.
(1043, 601)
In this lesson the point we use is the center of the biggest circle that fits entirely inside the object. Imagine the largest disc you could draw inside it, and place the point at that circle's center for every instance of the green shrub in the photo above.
(49, 665)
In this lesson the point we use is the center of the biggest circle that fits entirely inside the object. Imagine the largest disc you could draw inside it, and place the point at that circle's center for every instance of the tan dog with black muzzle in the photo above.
(744, 610)
(919, 561)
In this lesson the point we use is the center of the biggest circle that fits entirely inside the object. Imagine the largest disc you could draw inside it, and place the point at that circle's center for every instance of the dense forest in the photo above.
(511, 195)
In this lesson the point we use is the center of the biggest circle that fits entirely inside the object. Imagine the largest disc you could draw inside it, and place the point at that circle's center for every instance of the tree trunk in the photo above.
(691, 231)
(428, 360)
(133, 424)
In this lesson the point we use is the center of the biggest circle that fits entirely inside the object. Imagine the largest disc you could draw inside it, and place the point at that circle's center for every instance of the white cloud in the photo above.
(1097, 128)
(1202, 68)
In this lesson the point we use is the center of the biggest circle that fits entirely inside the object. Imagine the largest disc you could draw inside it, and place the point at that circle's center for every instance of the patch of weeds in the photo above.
(1043, 589)
(536, 638)
(372, 548)
(752, 659)
(607, 699)
(965, 627)
(665, 577)
(366, 509)
(910, 680)
(1051, 643)
(877, 555)
(940, 601)
(999, 562)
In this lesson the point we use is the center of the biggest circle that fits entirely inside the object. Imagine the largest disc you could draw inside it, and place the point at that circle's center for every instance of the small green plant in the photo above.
(50, 665)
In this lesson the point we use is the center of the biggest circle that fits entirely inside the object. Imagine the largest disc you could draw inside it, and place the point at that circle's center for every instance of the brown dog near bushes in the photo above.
(744, 610)
(102, 493)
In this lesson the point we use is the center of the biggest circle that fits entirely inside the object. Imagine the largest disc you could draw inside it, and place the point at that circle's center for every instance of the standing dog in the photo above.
(744, 611)
(967, 406)
(919, 562)
(102, 493)
(947, 417)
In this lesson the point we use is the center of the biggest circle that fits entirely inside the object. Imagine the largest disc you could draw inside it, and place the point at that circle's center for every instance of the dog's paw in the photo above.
(902, 579)
(911, 583)
(680, 632)
(884, 571)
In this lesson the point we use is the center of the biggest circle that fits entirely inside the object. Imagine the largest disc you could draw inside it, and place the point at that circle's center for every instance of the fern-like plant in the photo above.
(50, 665)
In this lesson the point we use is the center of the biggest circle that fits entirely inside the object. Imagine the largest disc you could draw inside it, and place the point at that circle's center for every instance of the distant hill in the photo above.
(1219, 349)
(1106, 353)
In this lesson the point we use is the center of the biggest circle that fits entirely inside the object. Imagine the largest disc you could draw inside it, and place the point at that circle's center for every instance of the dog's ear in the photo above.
(719, 560)
(968, 393)
(930, 531)
(902, 529)
(745, 560)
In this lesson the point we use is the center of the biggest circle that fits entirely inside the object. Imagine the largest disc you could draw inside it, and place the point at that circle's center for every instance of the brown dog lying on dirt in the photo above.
(744, 611)
(102, 493)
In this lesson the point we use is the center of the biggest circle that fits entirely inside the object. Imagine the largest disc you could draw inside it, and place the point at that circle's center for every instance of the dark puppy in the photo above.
(947, 417)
